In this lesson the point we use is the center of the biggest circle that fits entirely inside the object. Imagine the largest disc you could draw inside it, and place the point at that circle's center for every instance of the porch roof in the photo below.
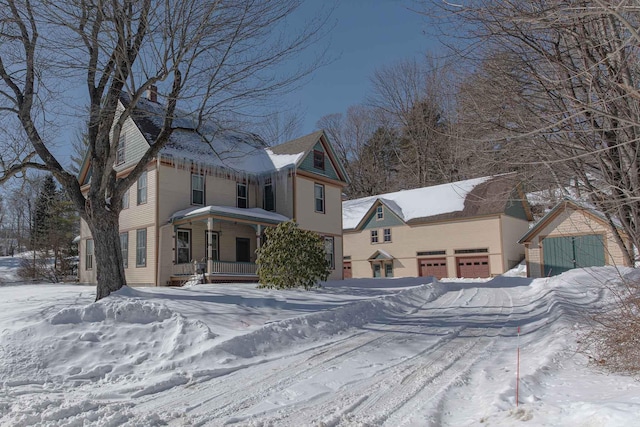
(247, 214)
(380, 255)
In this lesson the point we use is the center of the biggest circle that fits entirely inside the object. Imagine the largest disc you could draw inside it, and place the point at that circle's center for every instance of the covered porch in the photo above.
(217, 243)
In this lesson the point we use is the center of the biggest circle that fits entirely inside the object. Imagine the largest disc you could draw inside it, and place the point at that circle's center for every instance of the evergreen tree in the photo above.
(42, 218)
(292, 258)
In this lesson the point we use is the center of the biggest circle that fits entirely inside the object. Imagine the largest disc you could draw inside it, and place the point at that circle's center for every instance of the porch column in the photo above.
(209, 245)
(258, 236)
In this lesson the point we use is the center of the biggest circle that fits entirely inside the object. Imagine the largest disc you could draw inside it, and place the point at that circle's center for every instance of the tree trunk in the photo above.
(107, 253)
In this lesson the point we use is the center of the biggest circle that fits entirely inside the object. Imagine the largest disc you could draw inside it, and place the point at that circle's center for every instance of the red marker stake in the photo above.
(518, 369)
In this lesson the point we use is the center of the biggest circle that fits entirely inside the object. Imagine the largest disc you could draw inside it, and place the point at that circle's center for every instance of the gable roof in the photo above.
(473, 197)
(557, 210)
(306, 145)
(210, 146)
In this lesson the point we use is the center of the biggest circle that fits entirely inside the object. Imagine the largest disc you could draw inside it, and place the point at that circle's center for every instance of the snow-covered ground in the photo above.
(356, 353)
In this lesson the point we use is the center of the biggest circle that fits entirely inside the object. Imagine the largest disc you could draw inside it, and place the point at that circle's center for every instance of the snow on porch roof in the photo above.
(250, 214)
(380, 255)
(412, 204)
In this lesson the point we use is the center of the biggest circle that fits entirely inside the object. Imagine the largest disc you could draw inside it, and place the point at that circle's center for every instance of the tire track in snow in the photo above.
(356, 398)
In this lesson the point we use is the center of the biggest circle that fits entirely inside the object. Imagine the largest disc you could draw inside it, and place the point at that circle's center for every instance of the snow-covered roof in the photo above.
(557, 209)
(209, 145)
(413, 204)
(252, 214)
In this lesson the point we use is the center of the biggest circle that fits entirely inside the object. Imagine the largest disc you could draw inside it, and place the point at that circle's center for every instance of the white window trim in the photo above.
(125, 249)
(120, 150)
(141, 196)
(188, 233)
(193, 189)
(246, 196)
(316, 198)
(379, 213)
(89, 252)
(138, 247)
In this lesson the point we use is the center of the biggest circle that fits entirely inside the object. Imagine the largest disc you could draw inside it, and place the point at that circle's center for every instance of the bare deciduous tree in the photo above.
(418, 99)
(571, 68)
(210, 58)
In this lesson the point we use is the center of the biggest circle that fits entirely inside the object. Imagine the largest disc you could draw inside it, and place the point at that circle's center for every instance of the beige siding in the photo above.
(138, 217)
(329, 222)
(135, 143)
(408, 240)
(572, 222)
(512, 230)
(336, 274)
(84, 275)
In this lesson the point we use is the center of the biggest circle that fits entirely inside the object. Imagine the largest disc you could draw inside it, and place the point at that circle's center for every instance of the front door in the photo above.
(376, 269)
(243, 249)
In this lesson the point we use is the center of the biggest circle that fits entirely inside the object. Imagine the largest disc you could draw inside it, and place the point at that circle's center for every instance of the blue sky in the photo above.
(367, 35)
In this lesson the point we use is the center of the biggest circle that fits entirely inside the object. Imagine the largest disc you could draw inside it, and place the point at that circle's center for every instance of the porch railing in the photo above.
(219, 267)
(241, 268)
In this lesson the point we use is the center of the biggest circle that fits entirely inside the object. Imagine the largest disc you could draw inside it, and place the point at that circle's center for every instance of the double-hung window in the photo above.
(125, 200)
(318, 191)
(142, 188)
(141, 247)
(120, 149)
(88, 265)
(197, 189)
(242, 195)
(183, 246)
(374, 236)
(124, 248)
(379, 212)
(269, 202)
(387, 234)
(318, 159)
(329, 251)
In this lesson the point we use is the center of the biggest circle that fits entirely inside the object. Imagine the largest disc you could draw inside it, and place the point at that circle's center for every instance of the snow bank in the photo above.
(120, 336)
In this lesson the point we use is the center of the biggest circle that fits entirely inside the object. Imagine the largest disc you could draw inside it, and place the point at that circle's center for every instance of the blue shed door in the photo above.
(564, 253)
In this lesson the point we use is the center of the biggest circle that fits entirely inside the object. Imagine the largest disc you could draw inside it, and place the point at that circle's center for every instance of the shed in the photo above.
(571, 235)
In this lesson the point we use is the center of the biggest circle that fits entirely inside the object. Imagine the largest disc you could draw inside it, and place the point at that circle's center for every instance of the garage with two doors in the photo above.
(571, 235)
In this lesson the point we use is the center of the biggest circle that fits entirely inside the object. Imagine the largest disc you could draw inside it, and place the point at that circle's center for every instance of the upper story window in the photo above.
(142, 188)
(120, 150)
(387, 234)
(318, 191)
(374, 236)
(318, 159)
(197, 189)
(379, 213)
(125, 200)
(269, 202)
(242, 195)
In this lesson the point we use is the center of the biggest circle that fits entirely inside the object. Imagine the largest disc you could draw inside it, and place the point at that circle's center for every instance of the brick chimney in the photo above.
(152, 93)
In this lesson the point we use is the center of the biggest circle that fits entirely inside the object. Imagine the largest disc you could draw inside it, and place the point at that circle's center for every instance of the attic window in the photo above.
(120, 150)
(318, 159)
(379, 212)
